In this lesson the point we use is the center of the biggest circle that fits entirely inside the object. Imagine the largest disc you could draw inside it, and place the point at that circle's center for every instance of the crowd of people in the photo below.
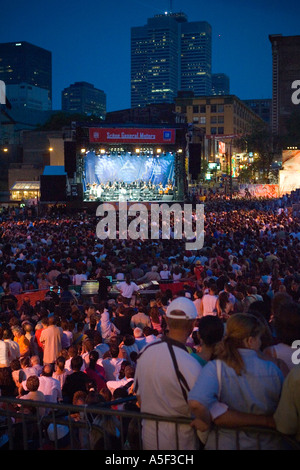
(217, 349)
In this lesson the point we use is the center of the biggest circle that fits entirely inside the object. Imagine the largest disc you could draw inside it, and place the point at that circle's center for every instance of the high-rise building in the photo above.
(262, 107)
(84, 98)
(22, 62)
(28, 96)
(220, 84)
(196, 57)
(169, 54)
(286, 75)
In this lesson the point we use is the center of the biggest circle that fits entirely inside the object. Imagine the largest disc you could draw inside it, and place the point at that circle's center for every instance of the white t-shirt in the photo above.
(127, 290)
(165, 275)
(197, 303)
(50, 387)
(160, 393)
(209, 304)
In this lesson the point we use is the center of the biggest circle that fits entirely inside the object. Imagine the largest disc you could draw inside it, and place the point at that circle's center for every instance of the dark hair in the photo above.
(33, 383)
(76, 363)
(128, 340)
(210, 329)
(287, 323)
(93, 356)
(223, 300)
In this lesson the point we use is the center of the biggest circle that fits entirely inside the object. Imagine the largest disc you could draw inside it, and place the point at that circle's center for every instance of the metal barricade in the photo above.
(23, 426)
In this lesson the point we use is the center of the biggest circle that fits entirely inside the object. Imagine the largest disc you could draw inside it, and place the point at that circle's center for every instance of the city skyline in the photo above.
(92, 43)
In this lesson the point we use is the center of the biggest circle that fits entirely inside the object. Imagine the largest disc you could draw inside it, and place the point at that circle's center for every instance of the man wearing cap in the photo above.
(165, 372)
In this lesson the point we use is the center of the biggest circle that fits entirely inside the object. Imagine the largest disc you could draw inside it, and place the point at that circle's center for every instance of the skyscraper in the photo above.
(84, 98)
(196, 57)
(22, 62)
(286, 76)
(169, 54)
(220, 84)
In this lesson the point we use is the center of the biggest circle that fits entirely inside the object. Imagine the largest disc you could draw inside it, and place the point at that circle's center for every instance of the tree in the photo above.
(61, 119)
(260, 141)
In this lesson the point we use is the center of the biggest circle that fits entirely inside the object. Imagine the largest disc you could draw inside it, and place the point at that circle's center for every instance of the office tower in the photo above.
(169, 54)
(196, 57)
(286, 76)
(23, 96)
(25, 63)
(220, 84)
(84, 98)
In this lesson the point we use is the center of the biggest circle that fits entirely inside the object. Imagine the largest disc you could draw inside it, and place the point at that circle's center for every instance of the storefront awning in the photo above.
(26, 186)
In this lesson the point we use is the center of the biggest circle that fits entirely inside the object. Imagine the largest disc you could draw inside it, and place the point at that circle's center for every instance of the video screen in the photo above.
(89, 287)
(128, 167)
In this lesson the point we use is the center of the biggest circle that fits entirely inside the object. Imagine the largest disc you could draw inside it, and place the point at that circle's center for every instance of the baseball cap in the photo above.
(182, 308)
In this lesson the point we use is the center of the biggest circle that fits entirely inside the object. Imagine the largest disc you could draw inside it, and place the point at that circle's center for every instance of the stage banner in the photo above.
(131, 135)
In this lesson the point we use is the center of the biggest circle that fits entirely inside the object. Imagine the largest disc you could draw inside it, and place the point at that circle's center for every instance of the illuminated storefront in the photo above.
(24, 190)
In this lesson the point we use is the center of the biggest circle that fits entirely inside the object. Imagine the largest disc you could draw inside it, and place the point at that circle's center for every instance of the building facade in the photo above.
(214, 120)
(262, 107)
(286, 75)
(169, 54)
(22, 62)
(28, 96)
(220, 84)
(84, 98)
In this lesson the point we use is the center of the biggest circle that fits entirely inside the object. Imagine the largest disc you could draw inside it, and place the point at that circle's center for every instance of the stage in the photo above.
(131, 164)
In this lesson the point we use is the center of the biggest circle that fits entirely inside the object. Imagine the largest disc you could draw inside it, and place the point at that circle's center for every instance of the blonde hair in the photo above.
(239, 327)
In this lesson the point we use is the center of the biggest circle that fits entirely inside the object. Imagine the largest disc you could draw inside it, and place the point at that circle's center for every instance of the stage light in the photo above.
(82, 150)
(179, 150)
(158, 150)
(137, 150)
(102, 151)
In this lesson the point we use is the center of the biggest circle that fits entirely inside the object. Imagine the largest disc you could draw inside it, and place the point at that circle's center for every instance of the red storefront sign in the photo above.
(131, 135)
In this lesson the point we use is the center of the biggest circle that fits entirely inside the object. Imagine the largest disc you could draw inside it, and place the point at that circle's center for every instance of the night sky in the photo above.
(90, 40)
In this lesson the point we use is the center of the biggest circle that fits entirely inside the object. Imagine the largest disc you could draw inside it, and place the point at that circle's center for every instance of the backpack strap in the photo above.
(181, 379)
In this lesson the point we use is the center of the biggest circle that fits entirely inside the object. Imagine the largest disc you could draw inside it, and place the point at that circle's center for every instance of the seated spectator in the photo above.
(76, 381)
(34, 394)
(140, 339)
(60, 373)
(127, 346)
(36, 364)
(23, 342)
(111, 362)
(13, 347)
(112, 385)
(96, 372)
(48, 385)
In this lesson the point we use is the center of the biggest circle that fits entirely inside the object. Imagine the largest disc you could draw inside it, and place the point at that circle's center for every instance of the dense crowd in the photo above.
(71, 349)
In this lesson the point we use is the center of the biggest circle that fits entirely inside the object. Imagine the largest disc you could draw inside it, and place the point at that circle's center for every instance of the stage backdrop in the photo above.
(128, 168)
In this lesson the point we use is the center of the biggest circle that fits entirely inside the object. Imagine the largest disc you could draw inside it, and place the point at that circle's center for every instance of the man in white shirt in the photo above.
(48, 385)
(112, 385)
(209, 302)
(165, 372)
(13, 347)
(112, 365)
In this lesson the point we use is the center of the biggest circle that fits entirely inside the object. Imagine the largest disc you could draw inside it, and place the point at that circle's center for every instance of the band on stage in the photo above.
(136, 189)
